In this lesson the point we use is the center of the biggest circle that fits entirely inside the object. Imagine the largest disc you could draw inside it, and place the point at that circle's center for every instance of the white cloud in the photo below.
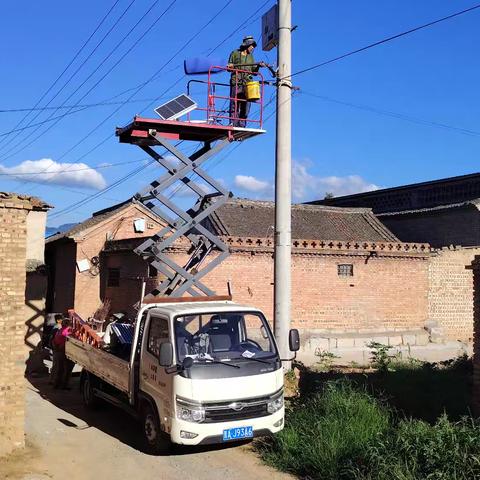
(251, 184)
(48, 171)
(306, 186)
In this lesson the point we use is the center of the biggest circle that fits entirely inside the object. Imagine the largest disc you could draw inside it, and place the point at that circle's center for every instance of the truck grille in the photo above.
(236, 410)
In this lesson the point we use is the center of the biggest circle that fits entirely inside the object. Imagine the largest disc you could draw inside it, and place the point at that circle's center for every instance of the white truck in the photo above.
(195, 372)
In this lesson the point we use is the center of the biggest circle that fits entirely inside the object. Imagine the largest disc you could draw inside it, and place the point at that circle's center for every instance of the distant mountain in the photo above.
(49, 231)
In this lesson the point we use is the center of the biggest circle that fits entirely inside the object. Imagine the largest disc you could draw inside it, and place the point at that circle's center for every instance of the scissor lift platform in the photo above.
(192, 224)
(139, 132)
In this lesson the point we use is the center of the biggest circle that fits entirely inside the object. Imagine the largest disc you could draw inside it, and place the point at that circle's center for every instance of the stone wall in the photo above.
(451, 292)
(13, 214)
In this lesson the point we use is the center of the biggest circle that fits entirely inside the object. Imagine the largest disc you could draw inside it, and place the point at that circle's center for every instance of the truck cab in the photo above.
(198, 373)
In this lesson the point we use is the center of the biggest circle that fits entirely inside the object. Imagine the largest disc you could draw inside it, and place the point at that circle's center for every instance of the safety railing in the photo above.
(227, 103)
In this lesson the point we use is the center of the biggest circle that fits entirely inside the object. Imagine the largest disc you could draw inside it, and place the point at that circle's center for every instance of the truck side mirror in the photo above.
(165, 356)
(294, 340)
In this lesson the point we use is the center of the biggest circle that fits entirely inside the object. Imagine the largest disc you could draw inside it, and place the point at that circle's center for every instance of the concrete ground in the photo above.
(65, 441)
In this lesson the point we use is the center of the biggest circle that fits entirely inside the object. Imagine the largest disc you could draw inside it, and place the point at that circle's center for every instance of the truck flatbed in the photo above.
(102, 364)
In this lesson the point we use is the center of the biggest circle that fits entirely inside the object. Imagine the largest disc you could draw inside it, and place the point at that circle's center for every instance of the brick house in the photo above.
(21, 248)
(81, 275)
(349, 272)
(444, 213)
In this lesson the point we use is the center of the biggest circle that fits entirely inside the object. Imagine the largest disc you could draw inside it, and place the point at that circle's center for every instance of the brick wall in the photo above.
(450, 296)
(13, 213)
(385, 293)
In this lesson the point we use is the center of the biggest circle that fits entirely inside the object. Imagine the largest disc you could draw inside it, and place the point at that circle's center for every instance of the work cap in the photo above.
(248, 40)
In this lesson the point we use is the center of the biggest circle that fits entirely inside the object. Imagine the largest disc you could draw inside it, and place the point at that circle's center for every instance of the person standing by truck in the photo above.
(241, 59)
(62, 366)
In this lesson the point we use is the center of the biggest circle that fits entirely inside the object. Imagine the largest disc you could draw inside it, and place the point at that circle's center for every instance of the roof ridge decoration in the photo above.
(322, 245)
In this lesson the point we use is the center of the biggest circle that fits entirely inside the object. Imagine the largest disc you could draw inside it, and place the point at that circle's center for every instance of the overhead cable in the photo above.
(385, 40)
(49, 89)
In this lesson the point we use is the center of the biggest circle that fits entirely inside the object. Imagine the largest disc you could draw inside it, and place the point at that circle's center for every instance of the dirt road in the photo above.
(69, 443)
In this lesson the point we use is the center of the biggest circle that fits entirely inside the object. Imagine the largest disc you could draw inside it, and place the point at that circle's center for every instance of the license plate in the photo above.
(237, 433)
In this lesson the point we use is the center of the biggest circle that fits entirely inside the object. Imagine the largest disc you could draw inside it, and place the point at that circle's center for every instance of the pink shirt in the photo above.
(61, 336)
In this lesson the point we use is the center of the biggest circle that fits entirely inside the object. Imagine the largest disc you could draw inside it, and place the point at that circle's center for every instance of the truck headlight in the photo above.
(190, 411)
(275, 404)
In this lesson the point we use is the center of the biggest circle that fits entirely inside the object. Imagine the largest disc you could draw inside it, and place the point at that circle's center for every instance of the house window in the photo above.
(113, 278)
(152, 271)
(157, 334)
(345, 270)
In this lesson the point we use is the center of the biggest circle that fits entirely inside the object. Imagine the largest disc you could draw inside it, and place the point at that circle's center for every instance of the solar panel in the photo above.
(175, 108)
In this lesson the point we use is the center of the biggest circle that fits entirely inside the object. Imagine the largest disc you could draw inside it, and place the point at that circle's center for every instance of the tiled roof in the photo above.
(251, 218)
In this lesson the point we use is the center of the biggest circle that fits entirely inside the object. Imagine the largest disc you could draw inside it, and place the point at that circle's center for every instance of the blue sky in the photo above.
(399, 113)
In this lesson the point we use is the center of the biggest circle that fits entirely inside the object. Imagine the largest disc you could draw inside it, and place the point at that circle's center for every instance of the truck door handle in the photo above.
(145, 376)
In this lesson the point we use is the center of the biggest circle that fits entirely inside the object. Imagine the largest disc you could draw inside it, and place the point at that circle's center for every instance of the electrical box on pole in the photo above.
(270, 29)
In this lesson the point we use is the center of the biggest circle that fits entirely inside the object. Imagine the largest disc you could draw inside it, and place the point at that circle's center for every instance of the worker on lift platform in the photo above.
(241, 59)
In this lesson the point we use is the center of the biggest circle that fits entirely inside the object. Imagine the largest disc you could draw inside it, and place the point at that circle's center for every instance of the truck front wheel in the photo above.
(156, 441)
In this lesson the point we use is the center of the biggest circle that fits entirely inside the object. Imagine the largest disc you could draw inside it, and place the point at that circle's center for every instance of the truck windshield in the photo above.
(225, 336)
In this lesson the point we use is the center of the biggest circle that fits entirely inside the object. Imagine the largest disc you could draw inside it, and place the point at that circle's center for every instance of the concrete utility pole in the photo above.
(283, 183)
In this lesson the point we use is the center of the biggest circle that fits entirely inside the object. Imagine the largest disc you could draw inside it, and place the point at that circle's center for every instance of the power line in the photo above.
(66, 107)
(104, 140)
(118, 61)
(81, 65)
(141, 86)
(77, 205)
(101, 63)
(80, 108)
(150, 79)
(399, 116)
(99, 167)
(64, 211)
(70, 63)
(243, 24)
(386, 40)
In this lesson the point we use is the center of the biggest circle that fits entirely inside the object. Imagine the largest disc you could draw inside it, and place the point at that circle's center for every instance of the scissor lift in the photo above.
(214, 137)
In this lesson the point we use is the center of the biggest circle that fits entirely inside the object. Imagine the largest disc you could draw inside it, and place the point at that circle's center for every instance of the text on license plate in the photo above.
(237, 433)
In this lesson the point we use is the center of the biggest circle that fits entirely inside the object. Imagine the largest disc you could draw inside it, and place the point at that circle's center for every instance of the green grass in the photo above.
(325, 432)
(401, 424)
(419, 390)
(416, 450)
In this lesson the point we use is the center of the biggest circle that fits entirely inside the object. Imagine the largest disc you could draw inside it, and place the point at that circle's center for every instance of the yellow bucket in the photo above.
(252, 91)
